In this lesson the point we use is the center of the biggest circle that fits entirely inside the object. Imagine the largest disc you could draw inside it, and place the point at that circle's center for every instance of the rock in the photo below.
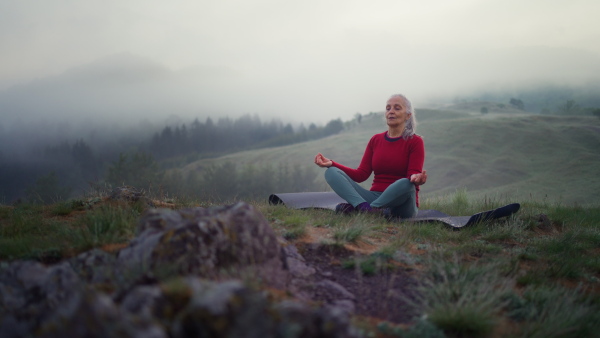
(295, 263)
(95, 266)
(94, 314)
(225, 309)
(207, 242)
(298, 320)
(181, 276)
(30, 292)
(230, 309)
(142, 300)
(335, 289)
(127, 193)
(346, 306)
(131, 194)
(54, 302)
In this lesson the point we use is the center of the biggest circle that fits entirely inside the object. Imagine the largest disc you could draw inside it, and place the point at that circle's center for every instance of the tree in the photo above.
(47, 190)
(220, 182)
(333, 127)
(84, 157)
(484, 110)
(569, 108)
(517, 103)
(358, 117)
(288, 129)
(139, 170)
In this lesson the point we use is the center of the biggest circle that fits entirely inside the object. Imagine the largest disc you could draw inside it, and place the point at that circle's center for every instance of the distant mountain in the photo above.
(117, 69)
(122, 87)
(540, 98)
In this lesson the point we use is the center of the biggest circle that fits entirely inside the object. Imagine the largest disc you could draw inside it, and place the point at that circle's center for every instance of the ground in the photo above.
(384, 295)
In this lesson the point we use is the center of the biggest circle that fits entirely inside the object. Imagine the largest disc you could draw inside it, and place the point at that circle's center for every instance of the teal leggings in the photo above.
(400, 196)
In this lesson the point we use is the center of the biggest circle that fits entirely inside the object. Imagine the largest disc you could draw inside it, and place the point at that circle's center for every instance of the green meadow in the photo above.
(501, 154)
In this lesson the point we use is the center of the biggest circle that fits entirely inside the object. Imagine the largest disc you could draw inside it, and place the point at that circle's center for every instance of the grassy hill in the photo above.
(500, 155)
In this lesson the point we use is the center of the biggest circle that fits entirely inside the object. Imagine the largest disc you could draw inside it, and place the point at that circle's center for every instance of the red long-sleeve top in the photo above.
(390, 159)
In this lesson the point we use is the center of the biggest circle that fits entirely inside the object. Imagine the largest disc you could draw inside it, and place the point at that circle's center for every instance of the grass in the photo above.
(351, 233)
(469, 273)
(478, 279)
(371, 264)
(542, 279)
(49, 233)
(463, 300)
(106, 225)
(290, 224)
(554, 311)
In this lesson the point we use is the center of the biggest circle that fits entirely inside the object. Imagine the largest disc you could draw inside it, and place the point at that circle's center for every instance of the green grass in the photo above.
(473, 281)
(369, 265)
(64, 208)
(470, 275)
(351, 233)
(461, 299)
(290, 224)
(25, 233)
(105, 225)
(32, 231)
(554, 311)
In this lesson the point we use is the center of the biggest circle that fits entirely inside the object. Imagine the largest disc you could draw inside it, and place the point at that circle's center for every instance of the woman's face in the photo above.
(395, 112)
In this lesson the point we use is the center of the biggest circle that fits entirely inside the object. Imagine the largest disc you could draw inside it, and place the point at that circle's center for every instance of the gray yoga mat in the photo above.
(328, 200)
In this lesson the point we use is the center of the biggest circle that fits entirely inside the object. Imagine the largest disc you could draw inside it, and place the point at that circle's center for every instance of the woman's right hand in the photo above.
(323, 161)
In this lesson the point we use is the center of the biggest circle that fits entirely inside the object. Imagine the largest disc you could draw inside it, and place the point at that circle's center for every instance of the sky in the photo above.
(312, 60)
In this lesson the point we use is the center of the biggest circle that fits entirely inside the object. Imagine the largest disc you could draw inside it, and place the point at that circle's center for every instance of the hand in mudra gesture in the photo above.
(323, 161)
(419, 179)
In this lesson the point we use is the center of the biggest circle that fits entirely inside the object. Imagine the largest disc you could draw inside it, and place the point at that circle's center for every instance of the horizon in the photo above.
(295, 62)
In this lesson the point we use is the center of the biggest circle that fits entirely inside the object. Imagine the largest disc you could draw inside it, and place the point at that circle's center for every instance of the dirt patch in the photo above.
(385, 295)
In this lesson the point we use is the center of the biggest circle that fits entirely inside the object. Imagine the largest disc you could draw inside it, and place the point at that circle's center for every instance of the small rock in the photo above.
(335, 289)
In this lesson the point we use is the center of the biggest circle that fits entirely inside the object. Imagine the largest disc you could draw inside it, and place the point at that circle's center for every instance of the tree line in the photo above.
(227, 135)
(55, 172)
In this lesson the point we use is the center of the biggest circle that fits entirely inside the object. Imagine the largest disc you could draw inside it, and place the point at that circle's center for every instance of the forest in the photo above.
(52, 172)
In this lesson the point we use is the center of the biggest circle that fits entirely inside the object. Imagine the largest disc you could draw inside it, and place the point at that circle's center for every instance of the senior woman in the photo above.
(396, 158)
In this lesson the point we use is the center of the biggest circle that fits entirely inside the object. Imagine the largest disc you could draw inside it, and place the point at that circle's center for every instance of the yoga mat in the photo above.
(328, 200)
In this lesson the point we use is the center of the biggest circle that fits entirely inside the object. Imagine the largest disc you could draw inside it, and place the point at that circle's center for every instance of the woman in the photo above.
(395, 156)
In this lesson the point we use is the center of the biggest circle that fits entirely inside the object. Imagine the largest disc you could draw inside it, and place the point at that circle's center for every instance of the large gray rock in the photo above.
(95, 267)
(206, 242)
(94, 314)
(192, 272)
(31, 292)
(231, 309)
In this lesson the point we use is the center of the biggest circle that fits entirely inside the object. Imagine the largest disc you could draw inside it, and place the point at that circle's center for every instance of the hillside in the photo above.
(496, 155)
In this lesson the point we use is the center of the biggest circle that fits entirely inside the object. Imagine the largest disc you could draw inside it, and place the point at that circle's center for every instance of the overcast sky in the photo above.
(310, 60)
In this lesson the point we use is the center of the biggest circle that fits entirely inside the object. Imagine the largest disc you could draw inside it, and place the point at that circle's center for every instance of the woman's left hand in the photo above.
(419, 179)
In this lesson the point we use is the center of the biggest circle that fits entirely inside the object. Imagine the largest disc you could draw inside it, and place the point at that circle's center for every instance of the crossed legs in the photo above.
(400, 196)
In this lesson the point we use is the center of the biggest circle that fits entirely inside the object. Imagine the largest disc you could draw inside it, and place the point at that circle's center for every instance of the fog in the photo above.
(309, 61)
(82, 82)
